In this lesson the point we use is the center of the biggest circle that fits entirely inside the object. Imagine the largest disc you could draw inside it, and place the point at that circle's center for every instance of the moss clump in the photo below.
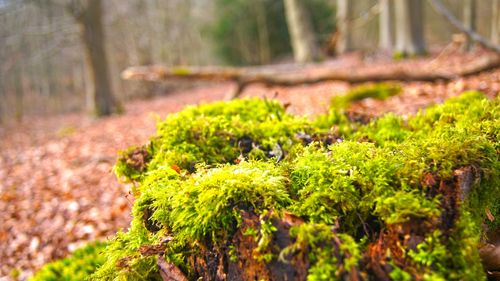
(395, 198)
(220, 133)
(78, 266)
(379, 91)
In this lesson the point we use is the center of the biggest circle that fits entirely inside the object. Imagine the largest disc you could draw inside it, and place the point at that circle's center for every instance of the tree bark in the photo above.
(385, 25)
(303, 39)
(263, 32)
(469, 21)
(495, 22)
(89, 17)
(344, 18)
(409, 27)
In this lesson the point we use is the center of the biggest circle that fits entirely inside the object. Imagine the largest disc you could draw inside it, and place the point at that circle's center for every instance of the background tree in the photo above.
(88, 14)
(409, 27)
(344, 29)
(303, 39)
(469, 20)
(495, 22)
(385, 25)
(42, 39)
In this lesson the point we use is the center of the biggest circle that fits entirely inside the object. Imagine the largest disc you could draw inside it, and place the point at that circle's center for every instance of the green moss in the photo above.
(180, 71)
(369, 184)
(210, 201)
(78, 266)
(331, 255)
(221, 132)
(379, 91)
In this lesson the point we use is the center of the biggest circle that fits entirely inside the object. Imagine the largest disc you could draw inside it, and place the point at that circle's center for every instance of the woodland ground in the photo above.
(57, 188)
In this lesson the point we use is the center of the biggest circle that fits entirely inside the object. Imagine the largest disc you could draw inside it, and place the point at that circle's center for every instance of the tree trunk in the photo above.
(495, 22)
(263, 32)
(344, 18)
(469, 21)
(90, 21)
(303, 39)
(409, 27)
(19, 92)
(385, 25)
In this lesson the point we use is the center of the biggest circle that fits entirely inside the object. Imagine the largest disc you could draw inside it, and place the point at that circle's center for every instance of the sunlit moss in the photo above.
(77, 266)
(209, 164)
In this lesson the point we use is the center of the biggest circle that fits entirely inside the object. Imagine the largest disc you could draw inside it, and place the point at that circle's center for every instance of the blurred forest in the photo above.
(43, 68)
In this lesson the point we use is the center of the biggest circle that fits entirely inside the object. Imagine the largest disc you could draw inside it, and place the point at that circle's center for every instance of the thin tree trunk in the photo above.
(344, 29)
(409, 27)
(385, 25)
(19, 92)
(93, 39)
(263, 32)
(495, 22)
(469, 21)
(304, 45)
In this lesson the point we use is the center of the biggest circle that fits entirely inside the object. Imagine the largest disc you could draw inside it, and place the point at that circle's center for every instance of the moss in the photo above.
(379, 91)
(221, 132)
(383, 195)
(332, 256)
(78, 266)
(180, 71)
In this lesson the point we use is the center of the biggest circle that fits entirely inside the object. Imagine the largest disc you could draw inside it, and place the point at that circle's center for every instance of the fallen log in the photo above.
(246, 76)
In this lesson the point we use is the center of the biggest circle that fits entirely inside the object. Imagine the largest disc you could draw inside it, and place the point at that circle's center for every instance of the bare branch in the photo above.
(441, 9)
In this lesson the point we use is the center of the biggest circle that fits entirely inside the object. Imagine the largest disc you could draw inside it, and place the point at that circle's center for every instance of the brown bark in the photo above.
(245, 76)
(169, 271)
(89, 17)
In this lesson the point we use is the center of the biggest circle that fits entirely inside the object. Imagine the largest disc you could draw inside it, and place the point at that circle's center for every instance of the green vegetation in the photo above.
(379, 91)
(245, 184)
(254, 32)
(77, 266)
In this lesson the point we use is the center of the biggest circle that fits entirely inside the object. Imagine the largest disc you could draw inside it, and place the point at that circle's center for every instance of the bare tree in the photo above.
(385, 25)
(263, 31)
(304, 45)
(88, 14)
(409, 27)
(469, 20)
(495, 22)
(344, 18)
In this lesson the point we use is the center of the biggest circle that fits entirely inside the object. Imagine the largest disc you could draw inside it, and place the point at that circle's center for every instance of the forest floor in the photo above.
(57, 188)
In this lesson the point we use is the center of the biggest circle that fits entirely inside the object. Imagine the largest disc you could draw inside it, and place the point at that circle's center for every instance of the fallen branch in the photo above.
(245, 76)
(441, 9)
